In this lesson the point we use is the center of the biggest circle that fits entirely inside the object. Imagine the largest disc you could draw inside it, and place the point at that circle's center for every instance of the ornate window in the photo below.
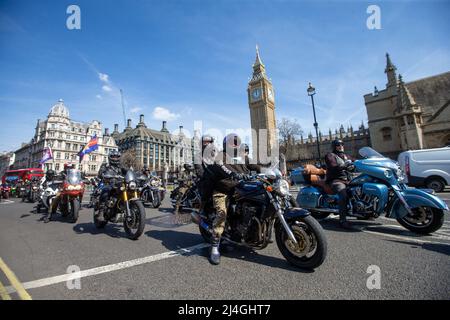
(387, 133)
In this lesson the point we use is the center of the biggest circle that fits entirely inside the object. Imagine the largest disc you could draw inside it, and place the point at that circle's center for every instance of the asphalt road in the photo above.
(169, 262)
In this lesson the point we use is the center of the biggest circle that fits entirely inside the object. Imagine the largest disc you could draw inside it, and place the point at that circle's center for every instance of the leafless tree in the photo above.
(129, 160)
(288, 129)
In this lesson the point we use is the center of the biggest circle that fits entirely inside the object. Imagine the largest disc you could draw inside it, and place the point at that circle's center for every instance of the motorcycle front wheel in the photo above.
(424, 220)
(134, 224)
(311, 248)
(74, 210)
(156, 200)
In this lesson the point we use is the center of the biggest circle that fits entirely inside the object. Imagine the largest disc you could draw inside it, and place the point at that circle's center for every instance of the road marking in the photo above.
(404, 238)
(23, 294)
(108, 268)
(3, 294)
(6, 202)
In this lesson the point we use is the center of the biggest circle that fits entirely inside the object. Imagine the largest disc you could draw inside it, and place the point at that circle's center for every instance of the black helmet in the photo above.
(336, 142)
(188, 167)
(145, 169)
(231, 142)
(245, 147)
(114, 158)
(49, 174)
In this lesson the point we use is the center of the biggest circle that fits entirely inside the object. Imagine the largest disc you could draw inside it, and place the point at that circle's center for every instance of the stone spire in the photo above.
(390, 72)
(259, 70)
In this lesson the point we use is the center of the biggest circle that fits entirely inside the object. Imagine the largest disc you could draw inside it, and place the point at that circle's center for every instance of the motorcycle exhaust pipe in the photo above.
(198, 220)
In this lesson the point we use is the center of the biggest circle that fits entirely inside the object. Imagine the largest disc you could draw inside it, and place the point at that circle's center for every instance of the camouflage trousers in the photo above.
(220, 205)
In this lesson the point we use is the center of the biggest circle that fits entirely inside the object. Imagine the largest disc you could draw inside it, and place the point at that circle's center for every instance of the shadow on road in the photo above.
(174, 240)
(358, 225)
(435, 247)
(249, 255)
(111, 229)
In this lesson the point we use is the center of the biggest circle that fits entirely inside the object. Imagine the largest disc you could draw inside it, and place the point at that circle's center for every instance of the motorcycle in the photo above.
(151, 191)
(378, 189)
(190, 200)
(47, 196)
(5, 192)
(256, 208)
(123, 205)
(69, 197)
(95, 194)
(31, 193)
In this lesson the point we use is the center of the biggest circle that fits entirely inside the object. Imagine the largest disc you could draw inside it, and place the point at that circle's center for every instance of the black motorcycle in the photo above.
(151, 191)
(261, 205)
(190, 200)
(123, 205)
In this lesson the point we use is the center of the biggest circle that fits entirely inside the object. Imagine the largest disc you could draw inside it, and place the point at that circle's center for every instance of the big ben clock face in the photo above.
(256, 93)
(270, 93)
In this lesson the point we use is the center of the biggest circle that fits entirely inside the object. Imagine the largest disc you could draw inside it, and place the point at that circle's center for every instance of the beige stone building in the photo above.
(261, 100)
(156, 149)
(409, 115)
(66, 138)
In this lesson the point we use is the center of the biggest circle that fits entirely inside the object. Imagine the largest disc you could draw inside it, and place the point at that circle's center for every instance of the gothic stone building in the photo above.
(304, 151)
(156, 149)
(409, 115)
(66, 138)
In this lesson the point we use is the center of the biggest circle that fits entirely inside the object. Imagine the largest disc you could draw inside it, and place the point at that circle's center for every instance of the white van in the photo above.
(428, 168)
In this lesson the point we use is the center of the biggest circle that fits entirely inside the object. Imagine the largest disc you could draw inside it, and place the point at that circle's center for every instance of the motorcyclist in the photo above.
(207, 156)
(248, 165)
(114, 166)
(50, 179)
(337, 177)
(224, 174)
(185, 182)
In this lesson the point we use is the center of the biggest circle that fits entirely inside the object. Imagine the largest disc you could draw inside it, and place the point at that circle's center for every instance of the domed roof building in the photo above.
(66, 138)
(60, 110)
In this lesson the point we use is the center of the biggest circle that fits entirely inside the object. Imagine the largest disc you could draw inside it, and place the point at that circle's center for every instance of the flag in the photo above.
(92, 145)
(48, 155)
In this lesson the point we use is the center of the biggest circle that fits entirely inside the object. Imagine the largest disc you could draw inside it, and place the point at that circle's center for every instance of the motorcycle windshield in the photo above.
(130, 176)
(74, 177)
(373, 158)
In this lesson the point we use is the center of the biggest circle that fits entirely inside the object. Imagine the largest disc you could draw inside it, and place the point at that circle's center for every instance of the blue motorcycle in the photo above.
(378, 189)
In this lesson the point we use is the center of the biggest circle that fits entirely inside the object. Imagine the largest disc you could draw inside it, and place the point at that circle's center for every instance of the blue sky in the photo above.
(188, 60)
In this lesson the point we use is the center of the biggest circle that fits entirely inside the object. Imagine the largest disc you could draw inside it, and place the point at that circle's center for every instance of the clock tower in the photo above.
(261, 101)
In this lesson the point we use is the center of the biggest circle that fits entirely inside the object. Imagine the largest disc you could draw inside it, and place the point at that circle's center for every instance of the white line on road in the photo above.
(409, 239)
(108, 268)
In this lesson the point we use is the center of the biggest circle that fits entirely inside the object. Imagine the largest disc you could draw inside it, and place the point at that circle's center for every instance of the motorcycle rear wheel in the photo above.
(434, 216)
(135, 227)
(307, 231)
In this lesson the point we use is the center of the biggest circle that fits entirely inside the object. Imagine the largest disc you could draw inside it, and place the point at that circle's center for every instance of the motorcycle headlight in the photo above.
(282, 186)
(132, 185)
(388, 174)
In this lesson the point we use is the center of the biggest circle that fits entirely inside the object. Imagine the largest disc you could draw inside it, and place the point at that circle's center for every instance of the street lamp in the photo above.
(311, 92)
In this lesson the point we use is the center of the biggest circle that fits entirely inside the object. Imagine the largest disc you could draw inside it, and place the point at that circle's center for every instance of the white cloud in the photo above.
(106, 88)
(135, 110)
(160, 113)
(99, 96)
(103, 77)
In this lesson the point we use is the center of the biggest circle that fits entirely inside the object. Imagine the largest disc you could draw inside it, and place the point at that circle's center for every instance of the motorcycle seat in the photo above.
(316, 177)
